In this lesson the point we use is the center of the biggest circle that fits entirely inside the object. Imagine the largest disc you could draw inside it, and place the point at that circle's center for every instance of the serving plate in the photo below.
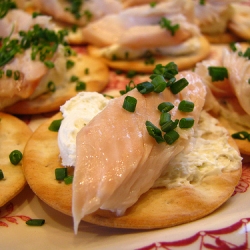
(226, 228)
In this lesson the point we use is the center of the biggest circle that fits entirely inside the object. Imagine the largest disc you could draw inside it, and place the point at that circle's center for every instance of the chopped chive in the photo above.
(165, 106)
(186, 106)
(166, 23)
(202, 2)
(51, 86)
(61, 173)
(169, 125)
(171, 136)
(9, 73)
(131, 74)
(1, 174)
(232, 46)
(128, 87)
(154, 132)
(217, 73)
(247, 53)
(69, 64)
(159, 83)
(36, 14)
(15, 157)
(55, 125)
(248, 81)
(152, 4)
(49, 64)
(129, 103)
(35, 222)
(186, 122)
(165, 117)
(80, 86)
(145, 87)
(178, 86)
(17, 75)
(168, 71)
(86, 71)
(68, 179)
(242, 135)
(74, 78)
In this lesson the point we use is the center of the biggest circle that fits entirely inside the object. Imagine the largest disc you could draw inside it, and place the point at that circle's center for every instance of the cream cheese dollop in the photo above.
(77, 113)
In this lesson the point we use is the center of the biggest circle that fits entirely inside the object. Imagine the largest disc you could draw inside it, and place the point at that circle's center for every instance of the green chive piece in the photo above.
(154, 132)
(68, 180)
(17, 75)
(217, 73)
(51, 86)
(232, 46)
(129, 86)
(165, 106)
(129, 103)
(165, 117)
(186, 106)
(169, 125)
(159, 83)
(131, 74)
(166, 23)
(178, 86)
(152, 4)
(202, 2)
(242, 135)
(247, 53)
(168, 71)
(35, 222)
(49, 64)
(171, 136)
(55, 125)
(186, 122)
(80, 86)
(1, 174)
(15, 157)
(145, 87)
(248, 81)
(86, 71)
(61, 173)
(69, 64)
(9, 73)
(74, 78)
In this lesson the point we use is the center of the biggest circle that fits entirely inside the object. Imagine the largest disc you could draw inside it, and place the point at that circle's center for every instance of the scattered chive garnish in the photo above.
(145, 87)
(186, 106)
(5, 6)
(55, 125)
(171, 136)
(186, 122)
(9, 73)
(165, 23)
(242, 135)
(51, 86)
(68, 179)
(178, 86)
(1, 174)
(35, 222)
(154, 132)
(61, 173)
(129, 103)
(217, 73)
(69, 64)
(15, 157)
(80, 86)
(170, 125)
(165, 106)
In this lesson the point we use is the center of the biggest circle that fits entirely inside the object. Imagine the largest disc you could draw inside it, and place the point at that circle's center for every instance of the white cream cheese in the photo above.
(211, 154)
(77, 113)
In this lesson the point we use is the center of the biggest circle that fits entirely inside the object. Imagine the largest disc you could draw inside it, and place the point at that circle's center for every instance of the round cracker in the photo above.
(158, 208)
(96, 79)
(14, 134)
(224, 38)
(183, 61)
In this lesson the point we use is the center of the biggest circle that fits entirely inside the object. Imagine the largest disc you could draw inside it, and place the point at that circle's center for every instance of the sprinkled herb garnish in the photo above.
(15, 157)
(35, 222)
(5, 6)
(55, 125)
(1, 174)
(166, 24)
(202, 2)
(80, 86)
(61, 174)
(186, 106)
(217, 73)
(51, 86)
(242, 135)
(129, 103)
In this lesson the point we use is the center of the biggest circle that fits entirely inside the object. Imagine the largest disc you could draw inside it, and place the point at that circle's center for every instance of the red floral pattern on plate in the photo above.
(6, 217)
(212, 239)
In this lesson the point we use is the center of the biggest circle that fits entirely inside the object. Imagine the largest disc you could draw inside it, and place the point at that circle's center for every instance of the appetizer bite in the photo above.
(227, 77)
(14, 134)
(37, 65)
(140, 37)
(213, 18)
(151, 158)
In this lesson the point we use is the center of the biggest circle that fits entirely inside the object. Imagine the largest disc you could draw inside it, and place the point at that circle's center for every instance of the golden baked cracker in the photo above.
(14, 134)
(183, 61)
(224, 38)
(158, 208)
(90, 70)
